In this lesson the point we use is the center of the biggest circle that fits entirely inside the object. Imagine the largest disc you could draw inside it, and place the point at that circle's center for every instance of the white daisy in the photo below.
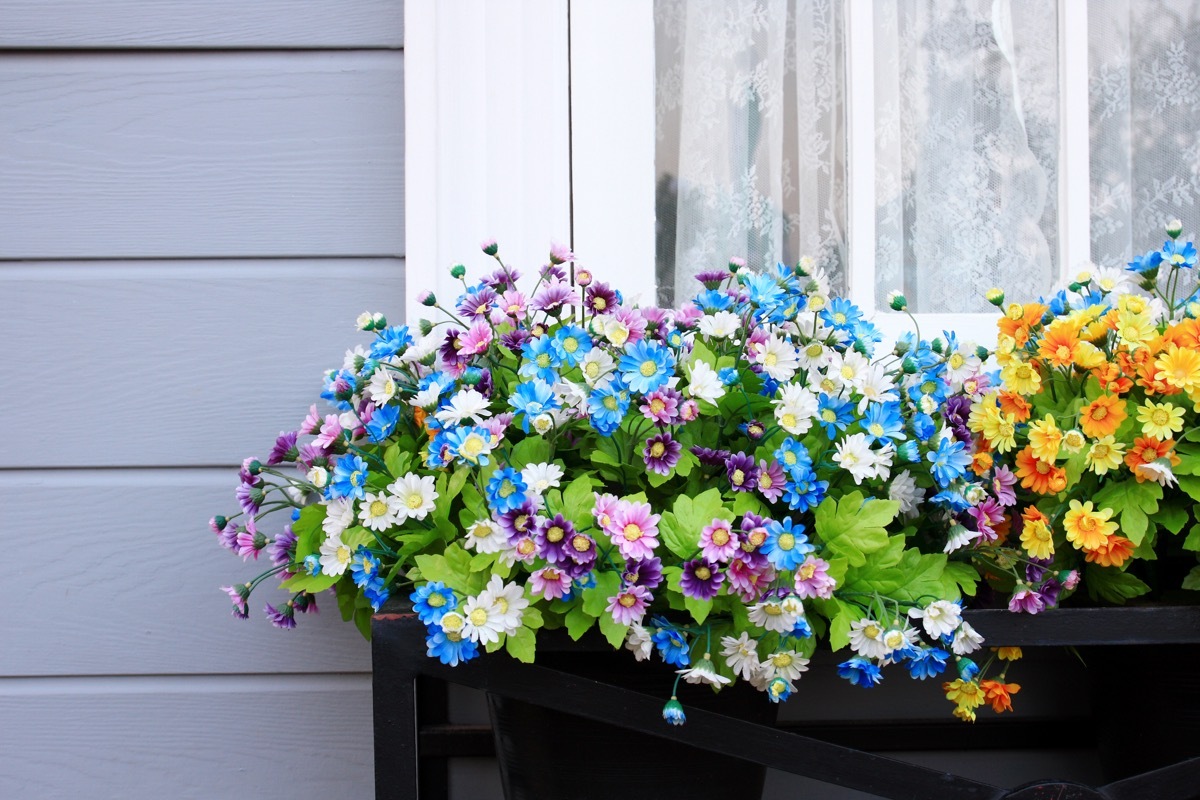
(778, 358)
(795, 409)
(961, 363)
(542, 424)
(960, 536)
(509, 599)
(377, 511)
(882, 468)
(703, 671)
(335, 556)
(848, 369)
(1158, 471)
(540, 477)
(966, 640)
(317, 476)
(638, 641)
(704, 383)
(741, 654)
(615, 331)
(421, 348)
(339, 513)
(854, 455)
(720, 325)
(597, 367)
(467, 404)
(866, 638)
(1113, 280)
(382, 387)
(770, 615)
(483, 621)
(427, 398)
(787, 664)
(485, 536)
(415, 496)
(904, 491)
(352, 361)
(875, 386)
(813, 356)
(939, 618)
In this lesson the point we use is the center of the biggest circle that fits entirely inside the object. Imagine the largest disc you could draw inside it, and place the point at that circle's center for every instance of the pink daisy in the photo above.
(749, 580)
(603, 509)
(662, 406)
(629, 605)
(634, 530)
(331, 431)
(718, 542)
(771, 480)
(476, 340)
(550, 583)
(1002, 486)
(813, 580)
(312, 422)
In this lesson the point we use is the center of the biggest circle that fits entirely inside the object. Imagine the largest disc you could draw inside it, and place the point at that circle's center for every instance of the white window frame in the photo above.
(590, 89)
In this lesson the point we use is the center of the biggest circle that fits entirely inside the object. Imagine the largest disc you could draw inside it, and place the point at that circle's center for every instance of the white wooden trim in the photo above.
(613, 141)
(487, 150)
(1074, 178)
(860, 152)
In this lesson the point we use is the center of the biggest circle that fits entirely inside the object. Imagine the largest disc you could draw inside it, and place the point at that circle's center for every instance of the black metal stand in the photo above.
(404, 736)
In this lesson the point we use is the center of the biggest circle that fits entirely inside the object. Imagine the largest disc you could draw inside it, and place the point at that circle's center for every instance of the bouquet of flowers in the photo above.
(1094, 433)
(722, 484)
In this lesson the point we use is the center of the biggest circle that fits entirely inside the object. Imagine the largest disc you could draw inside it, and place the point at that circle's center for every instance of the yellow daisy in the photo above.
(1088, 528)
(1179, 367)
(999, 429)
(1021, 378)
(1045, 438)
(1160, 420)
(1105, 454)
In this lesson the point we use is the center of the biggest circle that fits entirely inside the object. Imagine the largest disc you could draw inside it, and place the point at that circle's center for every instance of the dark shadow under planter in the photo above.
(549, 753)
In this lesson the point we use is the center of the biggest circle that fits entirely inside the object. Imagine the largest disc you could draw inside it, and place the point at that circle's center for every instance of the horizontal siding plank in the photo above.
(134, 587)
(286, 740)
(176, 363)
(189, 155)
(213, 23)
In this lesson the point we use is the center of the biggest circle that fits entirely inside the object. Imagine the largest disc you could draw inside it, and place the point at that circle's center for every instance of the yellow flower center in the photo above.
(436, 600)
(1100, 451)
(657, 405)
(610, 403)
(648, 368)
(772, 610)
(839, 318)
(739, 477)
(526, 547)
(657, 449)
(782, 660)
(478, 617)
(570, 344)
(414, 501)
(627, 600)
(703, 573)
(871, 631)
(764, 481)
(378, 508)
(1160, 416)
(789, 421)
(720, 537)
(543, 360)
(829, 415)
(591, 369)
(1099, 412)
(956, 361)
(806, 571)
(472, 447)
(554, 534)
(814, 350)
(581, 543)
(1063, 352)
(786, 541)
(632, 532)
(770, 359)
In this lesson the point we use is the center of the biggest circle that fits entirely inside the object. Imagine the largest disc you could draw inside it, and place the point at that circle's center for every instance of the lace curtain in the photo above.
(1144, 75)
(751, 139)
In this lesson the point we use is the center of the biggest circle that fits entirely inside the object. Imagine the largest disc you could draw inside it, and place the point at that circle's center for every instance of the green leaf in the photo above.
(1133, 503)
(522, 645)
(686, 461)
(309, 583)
(1112, 585)
(839, 626)
(745, 502)
(396, 460)
(453, 568)
(1192, 580)
(347, 594)
(1192, 542)
(1190, 484)
(362, 621)
(595, 598)
(531, 618)
(309, 533)
(579, 500)
(854, 528)
(1172, 516)
(613, 631)
(457, 481)
(701, 352)
(963, 575)
(578, 622)
(699, 609)
(688, 517)
(532, 449)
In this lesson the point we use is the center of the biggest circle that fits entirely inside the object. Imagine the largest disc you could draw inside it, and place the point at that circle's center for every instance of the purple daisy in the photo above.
(661, 453)
(551, 535)
(754, 533)
(285, 619)
(1003, 481)
(600, 299)
(550, 583)
(518, 522)
(449, 350)
(514, 340)
(1027, 600)
(771, 480)
(580, 549)
(250, 494)
(476, 340)
(306, 603)
(710, 457)
(701, 579)
(560, 253)
(687, 316)
(647, 572)
(742, 472)
(502, 279)
(713, 278)
(552, 298)
(476, 305)
(239, 595)
(285, 448)
(281, 548)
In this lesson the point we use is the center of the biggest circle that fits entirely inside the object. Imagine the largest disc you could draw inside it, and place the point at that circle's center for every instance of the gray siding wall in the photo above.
(196, 200)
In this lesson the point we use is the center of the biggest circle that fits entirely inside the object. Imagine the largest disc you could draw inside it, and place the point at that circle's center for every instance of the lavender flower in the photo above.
(742, 472)
(284, 449)
(661, 453)
(701, 579)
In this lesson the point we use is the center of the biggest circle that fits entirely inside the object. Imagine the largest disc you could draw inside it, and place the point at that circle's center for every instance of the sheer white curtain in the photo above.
(751, 140)
(966, 149)
(751, 151)
(1144, 75)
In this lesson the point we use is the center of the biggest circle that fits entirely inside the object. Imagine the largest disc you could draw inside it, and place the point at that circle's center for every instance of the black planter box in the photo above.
(1152, 727)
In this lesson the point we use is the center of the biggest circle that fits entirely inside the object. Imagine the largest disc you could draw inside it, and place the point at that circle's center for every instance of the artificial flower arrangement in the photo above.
(722, 484)
(1095, 435)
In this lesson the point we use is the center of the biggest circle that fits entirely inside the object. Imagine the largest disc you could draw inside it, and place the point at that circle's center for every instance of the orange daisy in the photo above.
(999, 695)
(1015, 404)
(1017, 322)
(981, 462)
(1060, 342)
(1102, 416)
(1112, 553)
(1040, 476)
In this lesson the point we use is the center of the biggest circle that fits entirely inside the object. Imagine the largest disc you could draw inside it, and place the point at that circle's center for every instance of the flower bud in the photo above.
(902, 347)
(909, 366)
(673, 712)
(805, 266)
(982, 353)
(1074, 287)
(472, 376)
(489, 247)
(583, 277)
(220, 522)
(1014, 311)
(458, 271)
(937, 346)
(312, 565)
(1084, 277)
(736, 263)
(560, 253)
(254, 467)
(425, 327)
(1174, 228)
(897, 301)
(365, 321)
(427, 298)
(379, 321)
(995, 297)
